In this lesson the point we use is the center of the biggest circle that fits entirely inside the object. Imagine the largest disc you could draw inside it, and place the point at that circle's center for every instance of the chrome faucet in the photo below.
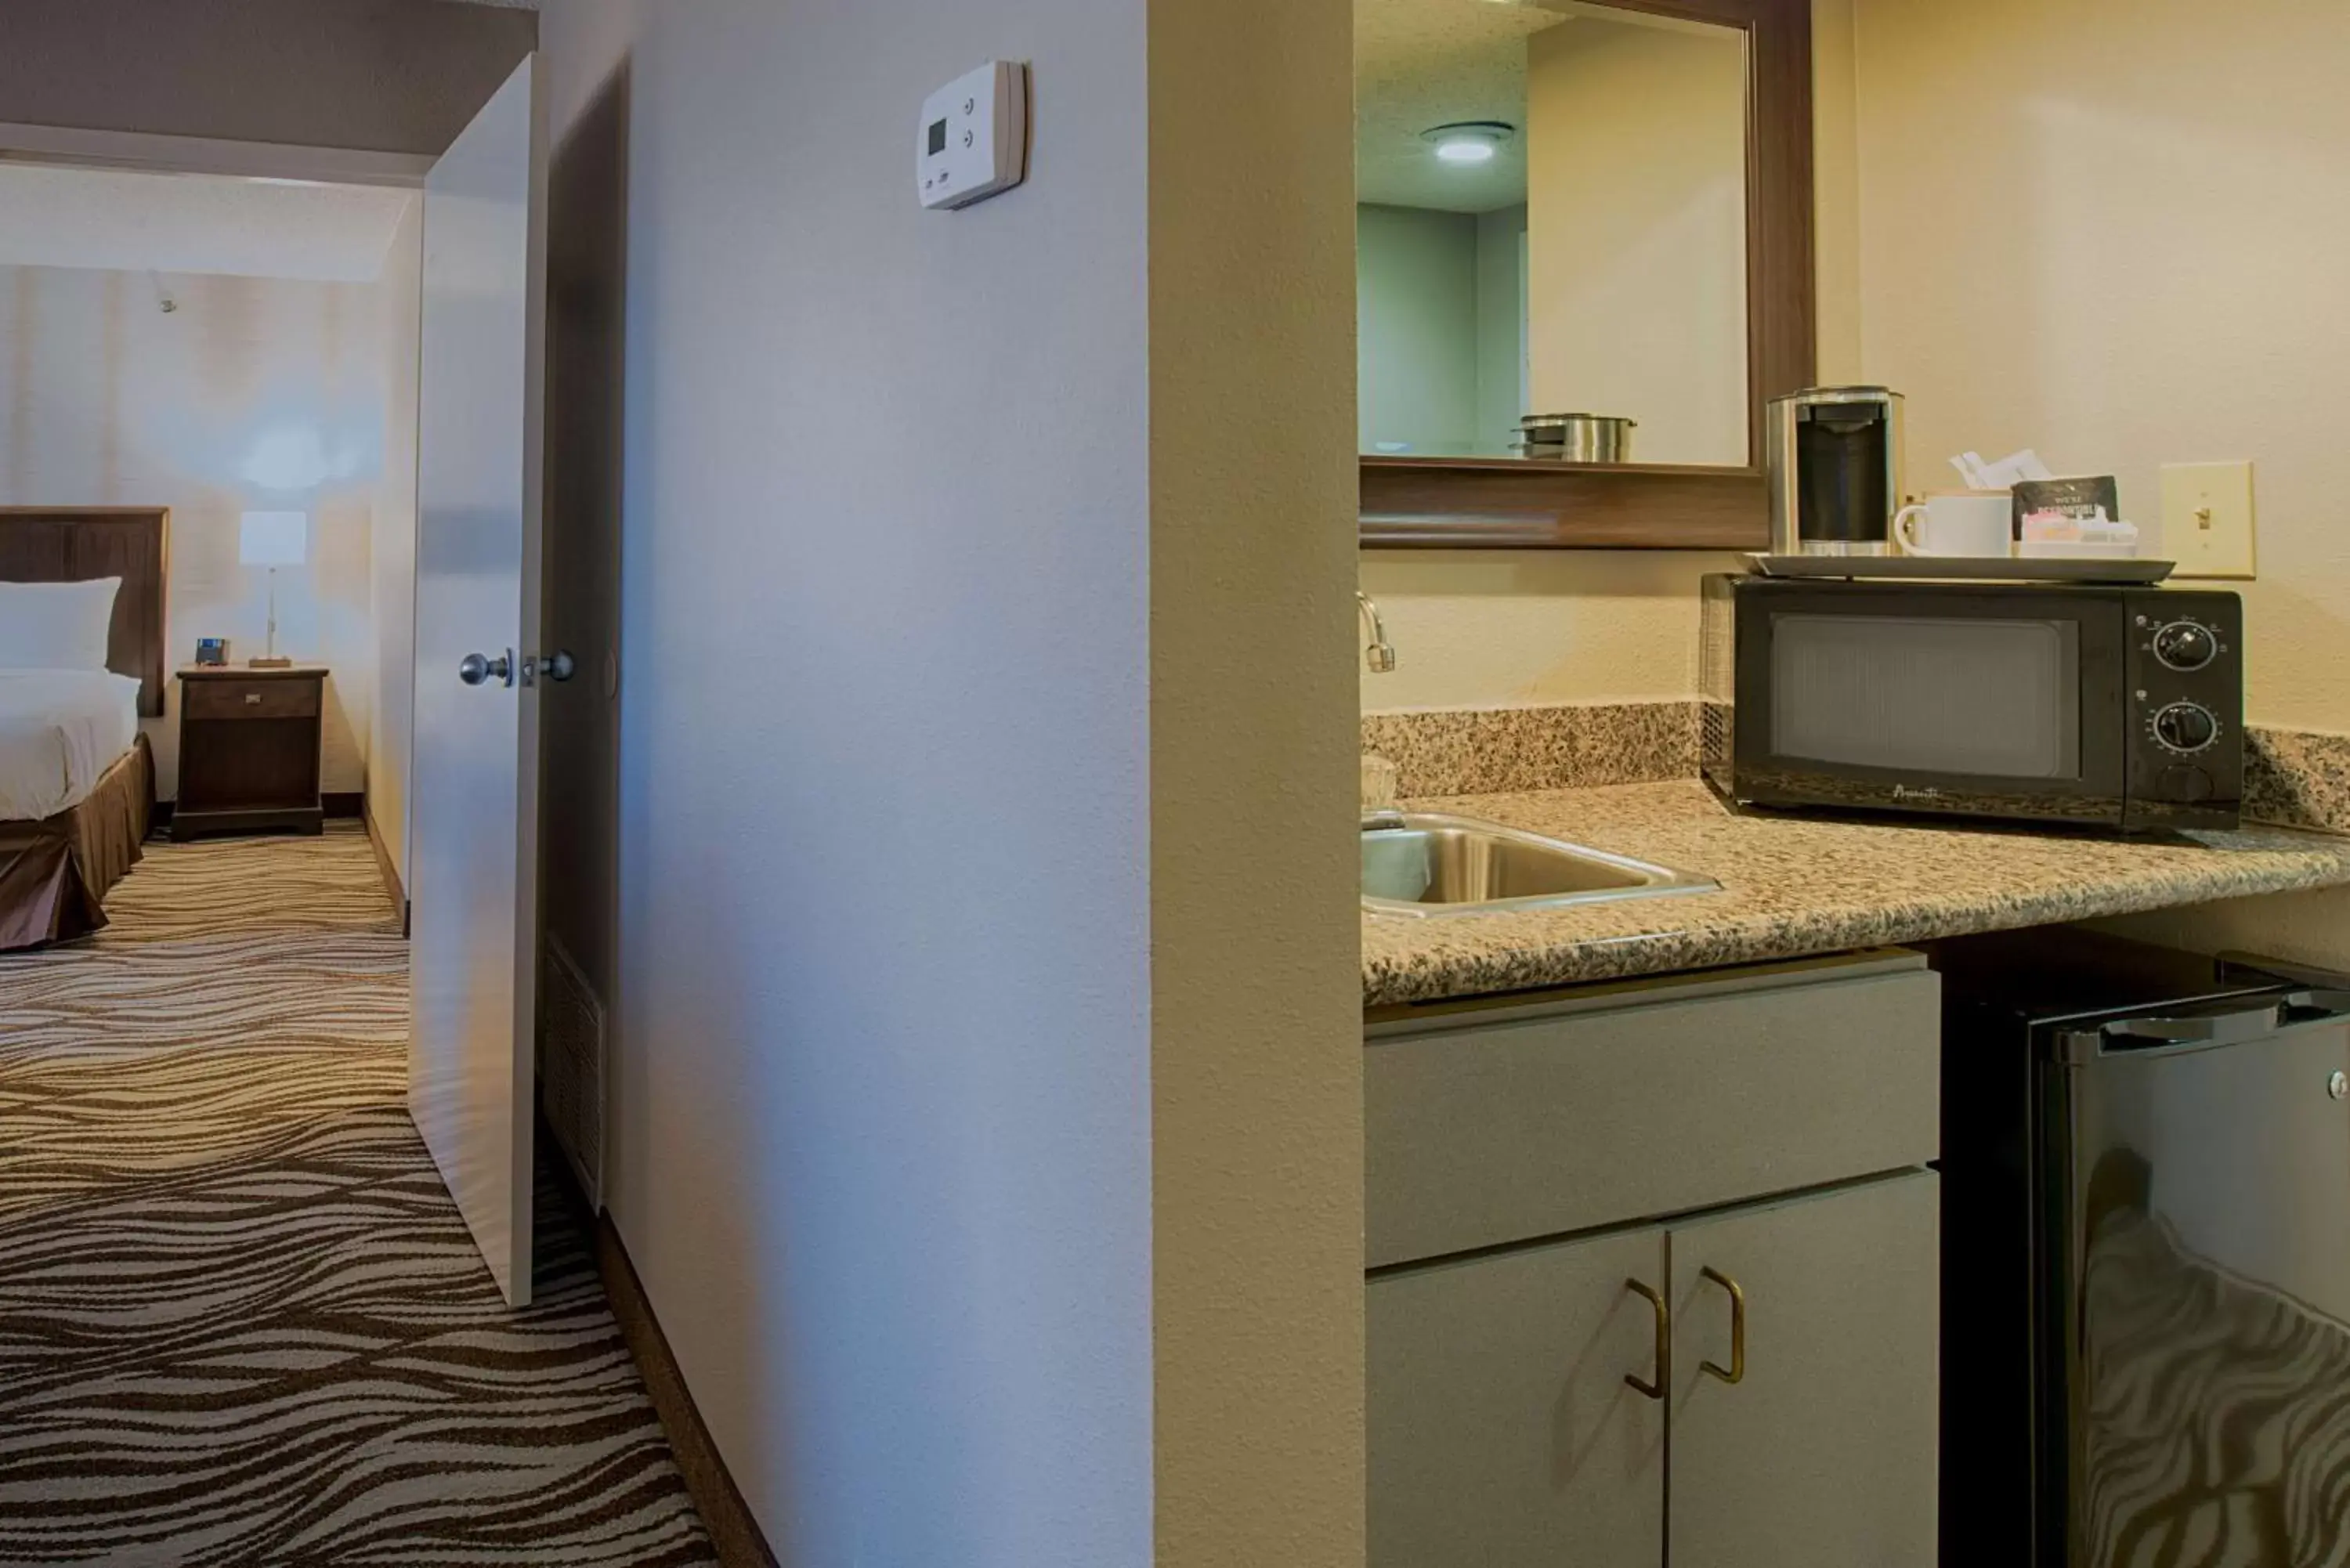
(1380, 654)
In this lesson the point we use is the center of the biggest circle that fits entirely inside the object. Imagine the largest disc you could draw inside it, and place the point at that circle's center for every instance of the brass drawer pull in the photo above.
(252, 699)
(1664, 1351)
(1736, 1371)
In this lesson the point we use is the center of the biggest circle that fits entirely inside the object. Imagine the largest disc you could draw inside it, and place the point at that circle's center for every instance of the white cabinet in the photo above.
(1501, 1431)
(1508, 1421)
(1823, 1454)
(1488, 1125)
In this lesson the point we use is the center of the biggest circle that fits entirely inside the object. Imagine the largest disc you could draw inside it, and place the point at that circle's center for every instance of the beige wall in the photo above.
(1256, 1047)
(2164, 284)
(1835, 192)
(1486, 627)
(982, 1154)
(2134, 261)
(255, 394)
(2311, 928)
(2122, 266)
(1480, 627)
(1636, 181)
(391, 726)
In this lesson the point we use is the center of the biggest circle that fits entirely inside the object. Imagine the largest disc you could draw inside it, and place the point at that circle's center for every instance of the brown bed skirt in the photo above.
(54, 873)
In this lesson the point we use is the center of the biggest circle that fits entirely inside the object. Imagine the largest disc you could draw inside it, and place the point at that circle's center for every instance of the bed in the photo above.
(76, 778)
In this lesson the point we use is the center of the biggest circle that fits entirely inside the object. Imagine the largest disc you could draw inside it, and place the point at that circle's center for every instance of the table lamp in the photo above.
(273, 539)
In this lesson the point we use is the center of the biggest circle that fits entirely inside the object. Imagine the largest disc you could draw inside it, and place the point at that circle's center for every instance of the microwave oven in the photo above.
(2094, 705)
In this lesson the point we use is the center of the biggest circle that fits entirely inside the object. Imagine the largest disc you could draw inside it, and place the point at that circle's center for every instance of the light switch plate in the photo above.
(2207, 519)
(972, 142)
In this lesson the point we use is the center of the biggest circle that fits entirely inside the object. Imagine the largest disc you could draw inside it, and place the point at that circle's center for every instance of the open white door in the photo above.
(475, 794)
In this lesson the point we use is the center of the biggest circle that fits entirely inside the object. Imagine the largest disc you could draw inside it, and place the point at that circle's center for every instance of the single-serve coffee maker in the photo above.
(1832, 459)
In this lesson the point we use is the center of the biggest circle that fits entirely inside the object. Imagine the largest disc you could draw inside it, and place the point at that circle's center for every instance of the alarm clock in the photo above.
(212, 651)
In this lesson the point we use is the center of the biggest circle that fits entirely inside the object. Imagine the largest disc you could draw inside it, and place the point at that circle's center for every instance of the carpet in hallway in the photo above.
(241, 1322)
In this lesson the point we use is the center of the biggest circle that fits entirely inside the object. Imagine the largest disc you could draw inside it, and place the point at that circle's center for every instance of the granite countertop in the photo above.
(1793, 885)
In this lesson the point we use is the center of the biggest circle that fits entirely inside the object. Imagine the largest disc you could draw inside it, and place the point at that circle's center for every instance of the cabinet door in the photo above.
(1824, 1454)
(1501, 1431)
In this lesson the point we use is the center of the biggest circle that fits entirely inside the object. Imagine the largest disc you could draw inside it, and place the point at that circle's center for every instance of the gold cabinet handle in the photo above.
(1736, 1371)
(1664, 1341)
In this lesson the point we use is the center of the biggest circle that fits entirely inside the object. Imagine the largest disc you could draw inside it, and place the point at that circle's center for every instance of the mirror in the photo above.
(1550, 219)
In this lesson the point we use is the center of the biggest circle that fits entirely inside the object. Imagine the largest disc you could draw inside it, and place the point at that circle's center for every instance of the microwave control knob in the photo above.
(2186, 727)
(2183, 645)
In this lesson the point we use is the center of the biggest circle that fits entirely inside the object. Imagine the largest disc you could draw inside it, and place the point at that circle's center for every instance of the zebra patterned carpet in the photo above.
(2218, 1416)
(241, 1322)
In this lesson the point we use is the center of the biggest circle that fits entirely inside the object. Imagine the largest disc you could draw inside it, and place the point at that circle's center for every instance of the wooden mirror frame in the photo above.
(1516, 503)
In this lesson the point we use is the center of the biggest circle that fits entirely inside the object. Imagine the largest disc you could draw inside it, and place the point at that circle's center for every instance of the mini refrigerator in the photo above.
(2146, 1257)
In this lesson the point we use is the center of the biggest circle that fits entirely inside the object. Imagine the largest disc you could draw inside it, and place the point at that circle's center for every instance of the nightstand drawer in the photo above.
(233, 699)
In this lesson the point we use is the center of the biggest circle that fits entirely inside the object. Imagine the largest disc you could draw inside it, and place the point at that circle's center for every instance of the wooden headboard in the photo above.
(75, 544)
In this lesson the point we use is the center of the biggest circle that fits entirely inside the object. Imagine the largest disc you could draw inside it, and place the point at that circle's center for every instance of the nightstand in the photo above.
(249, 749)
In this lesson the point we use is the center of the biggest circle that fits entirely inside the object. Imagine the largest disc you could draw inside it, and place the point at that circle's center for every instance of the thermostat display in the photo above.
(973, 143)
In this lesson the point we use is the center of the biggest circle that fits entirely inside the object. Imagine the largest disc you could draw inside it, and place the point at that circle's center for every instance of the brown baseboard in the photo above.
(383, 863)
(332, 807)
(189, 825)
(733, 1533)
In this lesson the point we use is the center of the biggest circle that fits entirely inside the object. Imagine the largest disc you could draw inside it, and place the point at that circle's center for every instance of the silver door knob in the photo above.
(475, 670)
(557, 665)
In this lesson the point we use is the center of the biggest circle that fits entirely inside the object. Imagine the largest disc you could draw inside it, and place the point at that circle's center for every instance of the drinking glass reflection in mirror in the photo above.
(1551, 221)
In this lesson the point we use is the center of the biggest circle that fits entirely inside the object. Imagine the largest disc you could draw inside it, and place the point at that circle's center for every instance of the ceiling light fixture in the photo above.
(1470, 141)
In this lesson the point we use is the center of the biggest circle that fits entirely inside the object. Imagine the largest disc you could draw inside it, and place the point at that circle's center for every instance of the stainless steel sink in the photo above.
(1424, 863)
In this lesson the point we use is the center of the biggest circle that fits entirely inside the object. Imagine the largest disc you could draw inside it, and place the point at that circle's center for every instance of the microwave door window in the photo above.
(1961, 699)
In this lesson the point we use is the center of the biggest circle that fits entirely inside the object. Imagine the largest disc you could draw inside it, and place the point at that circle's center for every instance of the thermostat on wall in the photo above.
(973, 142)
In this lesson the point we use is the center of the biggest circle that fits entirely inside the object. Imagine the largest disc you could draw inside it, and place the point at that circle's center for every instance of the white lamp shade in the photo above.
(274, 538)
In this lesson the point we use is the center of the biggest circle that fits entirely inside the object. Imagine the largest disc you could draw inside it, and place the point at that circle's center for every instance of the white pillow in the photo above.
(55, 626)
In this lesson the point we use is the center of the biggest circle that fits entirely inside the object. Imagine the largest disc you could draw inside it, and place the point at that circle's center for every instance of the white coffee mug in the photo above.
(1974, 523)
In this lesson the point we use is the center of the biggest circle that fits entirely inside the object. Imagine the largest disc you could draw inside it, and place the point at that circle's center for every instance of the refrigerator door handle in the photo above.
(2143, 1034)
(2315, 1005)
(2297, 975)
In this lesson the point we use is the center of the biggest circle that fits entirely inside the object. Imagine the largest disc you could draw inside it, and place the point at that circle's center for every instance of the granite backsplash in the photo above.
(1494, 751)
(2293, 778)
(2297, 778)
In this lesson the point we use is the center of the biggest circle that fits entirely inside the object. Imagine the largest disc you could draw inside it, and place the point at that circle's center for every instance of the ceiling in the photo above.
(1419, 64)
(1424, 63)
(122, 220)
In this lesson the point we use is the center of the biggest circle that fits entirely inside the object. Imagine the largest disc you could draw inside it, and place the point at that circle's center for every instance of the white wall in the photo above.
(1416, 329)
(1439, 317)
(1502, 389)
(392, 556)
(261, 394)
(587, 441)
(884, 1104)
